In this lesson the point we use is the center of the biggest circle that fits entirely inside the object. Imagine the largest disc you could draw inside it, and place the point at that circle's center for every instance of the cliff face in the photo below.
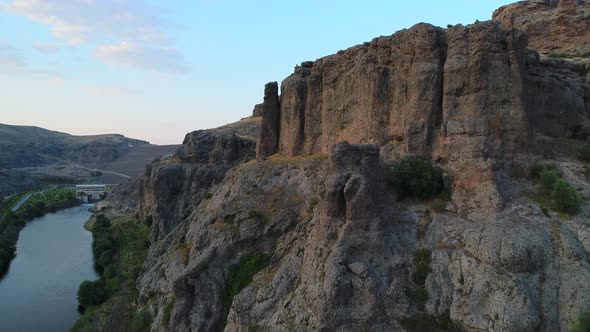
(472, 98)
(327, 241)
(455, 94)
(174, 185)
(558, 26)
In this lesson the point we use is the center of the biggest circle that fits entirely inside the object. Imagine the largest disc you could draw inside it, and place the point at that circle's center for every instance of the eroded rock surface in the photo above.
(552, 25)
(476, 100)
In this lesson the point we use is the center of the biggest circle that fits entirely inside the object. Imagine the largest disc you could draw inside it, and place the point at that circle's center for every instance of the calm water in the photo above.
(54, 255)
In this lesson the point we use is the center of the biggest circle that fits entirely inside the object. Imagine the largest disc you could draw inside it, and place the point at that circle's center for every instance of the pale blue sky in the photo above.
(156, 70)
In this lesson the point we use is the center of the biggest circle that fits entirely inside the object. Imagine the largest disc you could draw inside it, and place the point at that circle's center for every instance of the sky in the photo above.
(155, 70)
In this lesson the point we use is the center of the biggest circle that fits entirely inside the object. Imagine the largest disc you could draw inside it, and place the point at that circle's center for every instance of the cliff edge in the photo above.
(304, 231)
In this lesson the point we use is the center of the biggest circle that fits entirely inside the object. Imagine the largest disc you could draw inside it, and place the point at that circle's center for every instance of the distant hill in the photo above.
(25, 146)
(39, 156)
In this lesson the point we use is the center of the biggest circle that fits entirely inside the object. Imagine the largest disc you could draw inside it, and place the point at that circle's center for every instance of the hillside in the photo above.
(34, 156)
(25, 146)
(432, 180)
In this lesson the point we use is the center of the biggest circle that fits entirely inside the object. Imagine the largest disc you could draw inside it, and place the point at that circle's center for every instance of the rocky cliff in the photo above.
(311, 236)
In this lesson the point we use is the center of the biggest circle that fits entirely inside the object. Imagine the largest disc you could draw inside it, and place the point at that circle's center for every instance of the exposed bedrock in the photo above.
(455, 95)
(174, 185)
(472, 98)
(268, 141)
(342, 257)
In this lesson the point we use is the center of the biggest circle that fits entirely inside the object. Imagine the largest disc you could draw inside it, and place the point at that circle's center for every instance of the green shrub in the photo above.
(168, 310)
(240, 274)
(92, 293)
(438, 205)
(106, 258)
(425, 323)
(416, 177)
(422, 261)
(555, 191)
(549, 178)
(148, 220)
(583, 323)
(422, 296)
(565, 197)
(207, 196)
(538, 168)
(255, 214)
(101, 223)
(102, 243)
(583, 153)
(142, 321)
(559, 55)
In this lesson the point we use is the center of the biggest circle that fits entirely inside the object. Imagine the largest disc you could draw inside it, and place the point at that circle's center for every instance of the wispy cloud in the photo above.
(146, 57)
(12, 62)
(111, 91)
(109, 24)
(47, 47)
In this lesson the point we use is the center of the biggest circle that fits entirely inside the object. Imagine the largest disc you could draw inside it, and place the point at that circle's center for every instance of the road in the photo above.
(26, 198)
(108, 172)
(21, 202)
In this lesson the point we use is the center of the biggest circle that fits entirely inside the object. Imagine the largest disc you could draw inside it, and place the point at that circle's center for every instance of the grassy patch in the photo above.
(583, 323)
(255, 214)
(423, 322)
(142, 321)
(422, 261)
(560, 55)
(185, 251)
(168, 310)
(583, 153)
(241, 274)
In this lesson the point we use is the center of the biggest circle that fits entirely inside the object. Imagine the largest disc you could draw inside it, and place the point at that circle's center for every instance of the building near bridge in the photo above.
(90, 192)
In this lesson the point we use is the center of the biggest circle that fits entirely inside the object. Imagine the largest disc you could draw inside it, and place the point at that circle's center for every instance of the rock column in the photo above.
(268, 141)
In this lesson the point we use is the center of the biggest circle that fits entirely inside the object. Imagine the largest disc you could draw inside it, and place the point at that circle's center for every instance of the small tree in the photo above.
(565, 197)
(584, 153)
(416, 177)
(92, 293)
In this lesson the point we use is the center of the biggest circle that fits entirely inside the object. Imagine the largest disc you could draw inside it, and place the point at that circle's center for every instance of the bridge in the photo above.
(90, 192)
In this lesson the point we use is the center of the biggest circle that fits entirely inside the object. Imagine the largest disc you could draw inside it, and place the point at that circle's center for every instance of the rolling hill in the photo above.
(40, 156)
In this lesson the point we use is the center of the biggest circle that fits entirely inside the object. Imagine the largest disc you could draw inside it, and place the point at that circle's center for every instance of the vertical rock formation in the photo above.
(257, 112)
(335, 248)
(484, 120)
(387, 90)
(455, 95)
(552, 25)
(268, 142)
(174, 185)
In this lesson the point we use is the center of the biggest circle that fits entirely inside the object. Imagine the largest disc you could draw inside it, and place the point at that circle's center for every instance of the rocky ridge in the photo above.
(477, 100)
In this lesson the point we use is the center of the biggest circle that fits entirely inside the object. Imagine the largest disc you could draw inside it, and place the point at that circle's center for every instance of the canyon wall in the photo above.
(473, 98)
(339, 247)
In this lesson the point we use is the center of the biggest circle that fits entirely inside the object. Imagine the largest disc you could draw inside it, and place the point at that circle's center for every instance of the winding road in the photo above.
(21, 202)
(103, 171)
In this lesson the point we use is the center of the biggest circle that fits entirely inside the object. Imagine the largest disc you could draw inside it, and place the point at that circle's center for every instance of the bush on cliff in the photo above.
(565, 197)
(555, 191)
(583, 323)
(416, 177)
(92, 293)
(241, 273)
(583, 153)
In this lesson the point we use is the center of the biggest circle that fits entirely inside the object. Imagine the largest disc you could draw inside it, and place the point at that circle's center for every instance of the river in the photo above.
(53, 256)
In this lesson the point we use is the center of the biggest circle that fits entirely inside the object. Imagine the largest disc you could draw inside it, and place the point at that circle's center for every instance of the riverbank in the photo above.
(37, 205)
(120, 245)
